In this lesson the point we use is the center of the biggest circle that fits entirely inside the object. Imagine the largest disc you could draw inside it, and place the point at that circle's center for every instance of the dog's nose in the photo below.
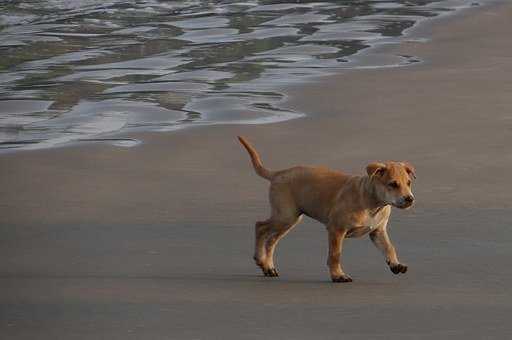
(409, 198)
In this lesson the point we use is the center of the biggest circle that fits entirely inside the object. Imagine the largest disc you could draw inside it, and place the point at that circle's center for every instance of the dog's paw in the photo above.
(398, 268)
(341, 278)
(270, 272)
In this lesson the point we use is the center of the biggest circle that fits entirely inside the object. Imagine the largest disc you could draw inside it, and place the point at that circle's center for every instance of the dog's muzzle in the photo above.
(405, 202)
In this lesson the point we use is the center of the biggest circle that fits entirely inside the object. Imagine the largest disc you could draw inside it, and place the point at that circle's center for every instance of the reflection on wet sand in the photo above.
(85, 70)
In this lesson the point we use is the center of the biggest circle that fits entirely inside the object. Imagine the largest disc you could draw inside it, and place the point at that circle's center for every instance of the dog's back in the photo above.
(308, 186)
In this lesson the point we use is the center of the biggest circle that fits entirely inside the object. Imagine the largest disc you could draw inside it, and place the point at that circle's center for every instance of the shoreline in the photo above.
(145, 242)
(367, 58)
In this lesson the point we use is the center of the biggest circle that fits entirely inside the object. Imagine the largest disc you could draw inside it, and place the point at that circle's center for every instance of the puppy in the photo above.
(349, 206)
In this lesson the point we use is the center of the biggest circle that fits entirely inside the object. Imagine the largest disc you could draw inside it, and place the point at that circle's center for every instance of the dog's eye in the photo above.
(393, 185)
(409, 183)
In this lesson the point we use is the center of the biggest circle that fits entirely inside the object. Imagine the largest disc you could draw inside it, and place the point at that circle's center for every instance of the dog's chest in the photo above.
(367, 222)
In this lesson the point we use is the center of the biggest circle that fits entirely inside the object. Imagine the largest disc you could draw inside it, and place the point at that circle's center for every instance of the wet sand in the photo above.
(155, 242)
(91, 69)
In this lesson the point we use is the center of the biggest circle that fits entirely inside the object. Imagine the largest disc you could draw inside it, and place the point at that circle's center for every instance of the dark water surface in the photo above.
(84, 70)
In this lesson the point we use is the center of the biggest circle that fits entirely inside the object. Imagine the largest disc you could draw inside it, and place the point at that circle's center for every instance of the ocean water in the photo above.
(82, 71)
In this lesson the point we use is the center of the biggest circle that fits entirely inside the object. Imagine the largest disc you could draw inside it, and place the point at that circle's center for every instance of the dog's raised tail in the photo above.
(255, 159)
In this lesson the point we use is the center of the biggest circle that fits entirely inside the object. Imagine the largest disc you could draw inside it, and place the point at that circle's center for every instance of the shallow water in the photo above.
(85, 70)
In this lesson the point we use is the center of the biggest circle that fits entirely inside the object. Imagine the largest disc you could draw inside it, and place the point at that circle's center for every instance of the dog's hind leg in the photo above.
(279, 230)
(268, 233)
(261, 230)
(285, 215)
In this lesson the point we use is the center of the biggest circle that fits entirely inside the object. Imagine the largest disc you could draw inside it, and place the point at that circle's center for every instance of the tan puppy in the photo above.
(349, 206)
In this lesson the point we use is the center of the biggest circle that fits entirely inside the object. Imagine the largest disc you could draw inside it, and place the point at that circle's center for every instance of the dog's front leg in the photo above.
(381, 240)
(336, 237)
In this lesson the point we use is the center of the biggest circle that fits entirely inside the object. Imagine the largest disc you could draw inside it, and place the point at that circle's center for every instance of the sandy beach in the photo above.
(155, 241)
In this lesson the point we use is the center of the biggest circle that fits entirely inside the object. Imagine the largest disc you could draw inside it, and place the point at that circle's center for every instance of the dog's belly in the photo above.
(359, 231)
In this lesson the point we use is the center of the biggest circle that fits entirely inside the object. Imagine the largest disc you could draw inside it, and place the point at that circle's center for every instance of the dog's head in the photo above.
(393, 182)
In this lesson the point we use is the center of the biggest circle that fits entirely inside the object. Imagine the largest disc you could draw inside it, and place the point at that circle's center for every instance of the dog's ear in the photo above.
(376, 169)
(409, 168)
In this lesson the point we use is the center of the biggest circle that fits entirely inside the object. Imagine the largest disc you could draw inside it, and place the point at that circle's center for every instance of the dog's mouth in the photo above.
(403, 206)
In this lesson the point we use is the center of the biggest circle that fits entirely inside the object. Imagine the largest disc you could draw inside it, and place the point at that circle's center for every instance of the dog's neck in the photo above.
(372, 201)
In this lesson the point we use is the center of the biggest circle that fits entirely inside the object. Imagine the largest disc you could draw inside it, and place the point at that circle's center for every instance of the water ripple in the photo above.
(84, 70)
